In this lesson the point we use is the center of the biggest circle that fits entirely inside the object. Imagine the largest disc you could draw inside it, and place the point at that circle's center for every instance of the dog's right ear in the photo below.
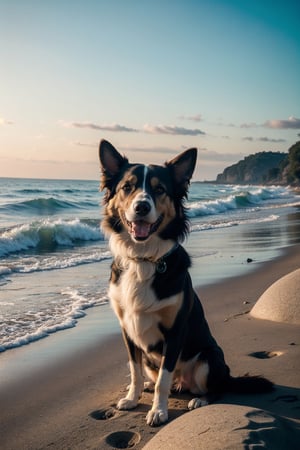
(111, 163)
(110, 159)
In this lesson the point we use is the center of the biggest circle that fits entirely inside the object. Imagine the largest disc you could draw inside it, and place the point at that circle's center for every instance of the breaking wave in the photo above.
(47, 235)
(244, 197)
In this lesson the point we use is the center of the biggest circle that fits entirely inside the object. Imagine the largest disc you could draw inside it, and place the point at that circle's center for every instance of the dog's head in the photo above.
(145, 201)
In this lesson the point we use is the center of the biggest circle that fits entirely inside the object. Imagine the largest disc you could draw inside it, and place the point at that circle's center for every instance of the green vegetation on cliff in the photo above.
(265, 167)
(294, 164)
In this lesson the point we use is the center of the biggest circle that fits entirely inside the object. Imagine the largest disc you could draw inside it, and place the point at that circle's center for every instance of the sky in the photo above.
(152, 77)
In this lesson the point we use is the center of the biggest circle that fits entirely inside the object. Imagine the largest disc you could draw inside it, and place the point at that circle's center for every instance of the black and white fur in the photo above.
(164, 328)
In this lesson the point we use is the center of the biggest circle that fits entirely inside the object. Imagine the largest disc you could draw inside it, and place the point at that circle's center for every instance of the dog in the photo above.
(163, 324)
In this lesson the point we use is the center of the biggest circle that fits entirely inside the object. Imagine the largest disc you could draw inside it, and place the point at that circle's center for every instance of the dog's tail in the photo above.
(248, 384)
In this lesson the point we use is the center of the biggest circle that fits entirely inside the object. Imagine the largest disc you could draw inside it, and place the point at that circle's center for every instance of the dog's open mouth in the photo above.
(140, 230)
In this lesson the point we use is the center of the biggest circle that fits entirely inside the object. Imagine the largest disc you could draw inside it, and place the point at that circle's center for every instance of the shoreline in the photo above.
(68, 402)
(216, 255)
(209, 269)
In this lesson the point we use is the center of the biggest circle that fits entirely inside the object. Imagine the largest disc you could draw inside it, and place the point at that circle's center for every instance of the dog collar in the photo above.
(161, 265)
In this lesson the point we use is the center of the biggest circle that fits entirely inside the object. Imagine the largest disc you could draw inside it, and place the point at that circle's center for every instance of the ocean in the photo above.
(54, 259)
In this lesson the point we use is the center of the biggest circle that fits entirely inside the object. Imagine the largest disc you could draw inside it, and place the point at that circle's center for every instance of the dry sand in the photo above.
(71, 404)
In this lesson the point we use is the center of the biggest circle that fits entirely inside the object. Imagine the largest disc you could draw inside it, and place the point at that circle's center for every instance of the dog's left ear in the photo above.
(182, 167)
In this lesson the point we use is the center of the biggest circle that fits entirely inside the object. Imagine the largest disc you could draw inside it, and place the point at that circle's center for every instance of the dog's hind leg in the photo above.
(201, 371)
(136, 374)
(208, 383)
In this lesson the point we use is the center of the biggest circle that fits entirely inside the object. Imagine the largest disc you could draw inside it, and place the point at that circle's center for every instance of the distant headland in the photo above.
(265, 168)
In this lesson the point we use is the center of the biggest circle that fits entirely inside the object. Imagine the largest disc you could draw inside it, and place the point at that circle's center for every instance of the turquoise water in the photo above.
(54, 260)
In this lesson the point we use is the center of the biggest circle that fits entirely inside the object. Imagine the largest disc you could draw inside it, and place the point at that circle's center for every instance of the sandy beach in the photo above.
(166, 124)
(67, 399)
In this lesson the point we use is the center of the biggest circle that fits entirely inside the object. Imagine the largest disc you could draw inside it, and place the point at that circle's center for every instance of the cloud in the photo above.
(248, 138)
(291, 122)
(194, 118)
(172, 130)
(263, 139)
(151, 129)
(113, 127)
(249, 125)
(5, 122)
(266, 139)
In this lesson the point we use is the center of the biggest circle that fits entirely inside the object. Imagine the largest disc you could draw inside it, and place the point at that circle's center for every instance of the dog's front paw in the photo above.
(197, 403)
(156, 417)
(125, 403)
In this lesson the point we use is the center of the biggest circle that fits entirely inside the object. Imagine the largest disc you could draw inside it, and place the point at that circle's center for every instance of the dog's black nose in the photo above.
(142, 208)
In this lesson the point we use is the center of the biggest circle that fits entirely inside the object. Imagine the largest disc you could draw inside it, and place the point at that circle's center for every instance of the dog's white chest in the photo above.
(135, 303)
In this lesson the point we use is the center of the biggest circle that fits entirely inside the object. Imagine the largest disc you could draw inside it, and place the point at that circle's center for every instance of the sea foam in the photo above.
(243, 197)
(47, 235)
(35, 325)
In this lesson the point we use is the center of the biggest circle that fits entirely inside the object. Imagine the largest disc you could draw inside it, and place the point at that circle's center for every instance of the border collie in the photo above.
(162, 320)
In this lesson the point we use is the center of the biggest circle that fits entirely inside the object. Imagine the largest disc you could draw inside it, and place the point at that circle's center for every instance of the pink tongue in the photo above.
(140, 229)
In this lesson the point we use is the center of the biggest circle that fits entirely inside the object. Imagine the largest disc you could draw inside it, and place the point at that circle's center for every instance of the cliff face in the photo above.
(259, 168)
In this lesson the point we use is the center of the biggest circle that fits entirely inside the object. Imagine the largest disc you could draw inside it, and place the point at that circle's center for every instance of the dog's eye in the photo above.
(126, 188)
(159, 190)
